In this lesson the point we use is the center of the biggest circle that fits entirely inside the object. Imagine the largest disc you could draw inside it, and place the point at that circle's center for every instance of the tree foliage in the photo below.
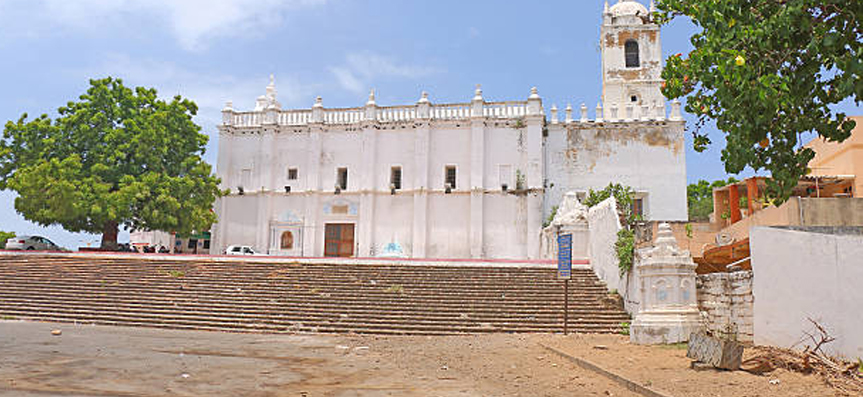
(622, 194)
(5, 236)
(118, 156)
(767, 71)
(699, 196)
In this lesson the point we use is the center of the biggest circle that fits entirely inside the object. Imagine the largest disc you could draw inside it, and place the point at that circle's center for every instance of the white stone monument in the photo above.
(571, 218)
(669, 309)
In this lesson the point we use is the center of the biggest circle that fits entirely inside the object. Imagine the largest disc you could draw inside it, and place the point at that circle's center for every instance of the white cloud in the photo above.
(192, 22)
(360, 69)
(209, 90)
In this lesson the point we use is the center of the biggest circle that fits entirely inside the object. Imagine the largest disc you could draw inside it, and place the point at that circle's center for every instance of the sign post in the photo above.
(564, 272)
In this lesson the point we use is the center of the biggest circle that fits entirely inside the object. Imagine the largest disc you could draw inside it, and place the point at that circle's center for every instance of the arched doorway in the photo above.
(287, 241)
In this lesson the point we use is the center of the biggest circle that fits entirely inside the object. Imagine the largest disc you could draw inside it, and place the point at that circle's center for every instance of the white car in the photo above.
(241, 250)
(31, 243)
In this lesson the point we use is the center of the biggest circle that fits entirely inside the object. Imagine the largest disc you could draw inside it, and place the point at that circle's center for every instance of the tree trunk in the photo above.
(109, 236)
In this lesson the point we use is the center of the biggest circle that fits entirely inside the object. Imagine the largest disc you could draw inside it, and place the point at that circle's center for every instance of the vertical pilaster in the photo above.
(477, 168)
(366, 229)
(420, 185)
(311, 228)
(534, 120)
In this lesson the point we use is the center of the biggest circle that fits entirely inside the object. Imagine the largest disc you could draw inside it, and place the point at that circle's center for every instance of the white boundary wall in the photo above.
(800, 275)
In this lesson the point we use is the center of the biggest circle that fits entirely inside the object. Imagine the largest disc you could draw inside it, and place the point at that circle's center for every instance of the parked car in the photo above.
(31, 243)
(241, 250)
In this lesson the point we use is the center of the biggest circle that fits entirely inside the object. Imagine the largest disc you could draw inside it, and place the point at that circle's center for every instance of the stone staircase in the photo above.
(292, 297)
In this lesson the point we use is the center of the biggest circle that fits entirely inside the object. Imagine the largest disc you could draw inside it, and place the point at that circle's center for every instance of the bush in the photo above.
(624, 328)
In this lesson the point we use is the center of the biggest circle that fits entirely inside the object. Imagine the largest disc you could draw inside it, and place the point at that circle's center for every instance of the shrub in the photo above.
(624, 328)
(625, 248)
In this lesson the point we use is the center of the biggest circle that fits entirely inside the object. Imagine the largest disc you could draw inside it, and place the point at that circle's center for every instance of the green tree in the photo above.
(699, 196)
(5, 236)
(117, 157)
(767, 71)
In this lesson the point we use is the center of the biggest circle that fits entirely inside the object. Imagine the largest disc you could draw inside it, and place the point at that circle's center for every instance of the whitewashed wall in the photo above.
(259, 158)
(647, 156)
(800, 275)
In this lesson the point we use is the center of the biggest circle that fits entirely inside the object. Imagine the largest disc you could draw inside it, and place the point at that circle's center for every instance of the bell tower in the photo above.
(631, 62)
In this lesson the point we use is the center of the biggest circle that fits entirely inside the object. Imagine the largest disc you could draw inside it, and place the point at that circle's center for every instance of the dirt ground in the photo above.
(117, 361)
(666, 369)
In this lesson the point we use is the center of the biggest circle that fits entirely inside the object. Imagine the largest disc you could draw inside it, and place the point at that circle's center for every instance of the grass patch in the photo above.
(8, 317)
(860, 365)
(624, 328)
(676, 346)
(175, 273)
(395, 289)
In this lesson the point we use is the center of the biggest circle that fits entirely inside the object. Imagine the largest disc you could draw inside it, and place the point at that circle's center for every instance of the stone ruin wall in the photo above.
(726, 302)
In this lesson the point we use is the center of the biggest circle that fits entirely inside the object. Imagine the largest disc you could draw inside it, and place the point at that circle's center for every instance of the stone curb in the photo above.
(630, 385)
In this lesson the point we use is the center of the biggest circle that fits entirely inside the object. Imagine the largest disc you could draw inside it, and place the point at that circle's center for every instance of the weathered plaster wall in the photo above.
(725, 300)
(648, 156)
(800, 275)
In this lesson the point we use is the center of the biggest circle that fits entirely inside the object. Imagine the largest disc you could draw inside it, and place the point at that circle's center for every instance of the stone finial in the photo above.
(554, 119)
(599, 112)
(583, 113)
(319, 102)
(271, 89)
(675, 111)
(477, 93)
(665, 243)
(568, 116)
(652, 8)
(605, 10)
(424, 97)
(371, 101)
(534, 93)
(229, 106)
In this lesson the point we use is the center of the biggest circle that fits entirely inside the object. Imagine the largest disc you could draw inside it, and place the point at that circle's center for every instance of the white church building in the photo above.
(461, 180)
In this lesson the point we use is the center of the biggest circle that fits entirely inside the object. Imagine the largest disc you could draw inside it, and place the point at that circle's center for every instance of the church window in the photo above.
(292, 174)
(396, 177)
(450, 176)
(631, 52)
(342, 180)
(287, 240)
(638, 207)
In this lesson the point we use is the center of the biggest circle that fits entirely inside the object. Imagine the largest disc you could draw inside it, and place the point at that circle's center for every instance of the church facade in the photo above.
(466, 180)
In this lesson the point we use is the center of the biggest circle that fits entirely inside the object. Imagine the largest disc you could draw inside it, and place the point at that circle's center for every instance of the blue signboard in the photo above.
(564, 257)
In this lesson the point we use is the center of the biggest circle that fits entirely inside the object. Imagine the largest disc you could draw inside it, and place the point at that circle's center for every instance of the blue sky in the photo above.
(217, 50)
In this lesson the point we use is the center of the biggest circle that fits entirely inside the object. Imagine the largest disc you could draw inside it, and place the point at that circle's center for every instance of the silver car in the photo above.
(31, 243)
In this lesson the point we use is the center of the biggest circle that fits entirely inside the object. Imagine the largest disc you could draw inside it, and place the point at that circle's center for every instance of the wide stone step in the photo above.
(290, 297)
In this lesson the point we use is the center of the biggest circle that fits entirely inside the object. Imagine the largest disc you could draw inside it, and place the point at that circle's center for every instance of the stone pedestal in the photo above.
(669, 309)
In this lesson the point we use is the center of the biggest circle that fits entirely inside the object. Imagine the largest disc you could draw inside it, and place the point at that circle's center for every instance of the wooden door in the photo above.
(339, 239)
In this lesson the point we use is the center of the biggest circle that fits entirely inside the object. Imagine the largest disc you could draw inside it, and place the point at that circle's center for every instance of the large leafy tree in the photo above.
(767, 71)
(117, 157)
(700, 198)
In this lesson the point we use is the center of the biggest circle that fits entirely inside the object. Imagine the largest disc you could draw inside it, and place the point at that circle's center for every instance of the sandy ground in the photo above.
(115, 361)
(119, 361)
(666, 369)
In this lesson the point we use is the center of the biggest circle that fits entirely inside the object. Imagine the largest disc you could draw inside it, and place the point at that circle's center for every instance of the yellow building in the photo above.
(841, 159)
